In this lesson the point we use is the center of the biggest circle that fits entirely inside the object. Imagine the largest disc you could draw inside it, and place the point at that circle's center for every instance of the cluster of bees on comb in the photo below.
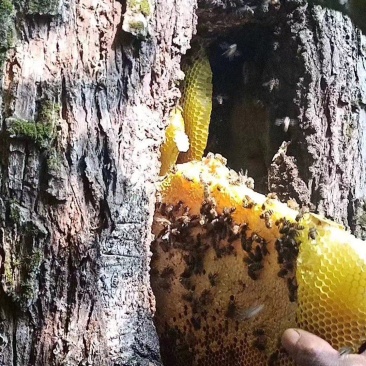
(232, 269)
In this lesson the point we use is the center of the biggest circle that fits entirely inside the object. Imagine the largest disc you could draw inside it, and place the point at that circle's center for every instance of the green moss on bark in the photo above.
(42, 131)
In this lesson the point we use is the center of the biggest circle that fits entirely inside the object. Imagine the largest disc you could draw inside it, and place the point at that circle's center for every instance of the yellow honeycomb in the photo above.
(232, 269)
(332, 281)
(197, 105)
(176, 140)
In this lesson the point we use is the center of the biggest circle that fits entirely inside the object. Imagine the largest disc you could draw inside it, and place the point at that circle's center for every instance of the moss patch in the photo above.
(41, 131)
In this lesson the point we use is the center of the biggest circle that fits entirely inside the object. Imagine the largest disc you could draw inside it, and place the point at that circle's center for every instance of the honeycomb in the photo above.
(232, 269)
(176, 140)
(332, 282)
(197, 104)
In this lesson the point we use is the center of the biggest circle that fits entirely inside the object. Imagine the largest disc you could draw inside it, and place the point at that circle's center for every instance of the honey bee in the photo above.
(285, 122)
(231, 50)
(257, 256)
(267, 218)
(272, 196)
(260, 343)
(188, 296)
(178, 206)
(256, 238)
(246, 243)
(299, 216)
(245, 11)
(292, 232)
(206, 297)
(158, 200)
(254, 269)
(250, 183)
(234, 233)
(213, 278)
(282, 272)
(167, 272)
(301, 213)
(248, 202)
(220, 98)
(291, 203)
(292, 289)
(312, 233)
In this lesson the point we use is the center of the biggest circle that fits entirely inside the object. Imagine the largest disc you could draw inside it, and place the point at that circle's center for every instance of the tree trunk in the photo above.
(86, 89)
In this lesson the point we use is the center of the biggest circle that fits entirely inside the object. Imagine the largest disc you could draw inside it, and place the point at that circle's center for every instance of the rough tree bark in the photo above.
(86, 87)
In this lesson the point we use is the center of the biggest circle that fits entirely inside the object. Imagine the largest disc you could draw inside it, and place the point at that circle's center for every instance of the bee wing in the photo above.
(252, 311)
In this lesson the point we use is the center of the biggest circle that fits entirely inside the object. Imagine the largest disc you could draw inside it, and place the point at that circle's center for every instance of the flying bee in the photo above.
(271, 84)
(231, 50)
(245, 10)
(285, 123)
(312, 233)
(220, 98)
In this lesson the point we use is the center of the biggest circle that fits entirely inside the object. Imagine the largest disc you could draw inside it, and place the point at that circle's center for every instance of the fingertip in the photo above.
(290, 338)
(308, 349)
